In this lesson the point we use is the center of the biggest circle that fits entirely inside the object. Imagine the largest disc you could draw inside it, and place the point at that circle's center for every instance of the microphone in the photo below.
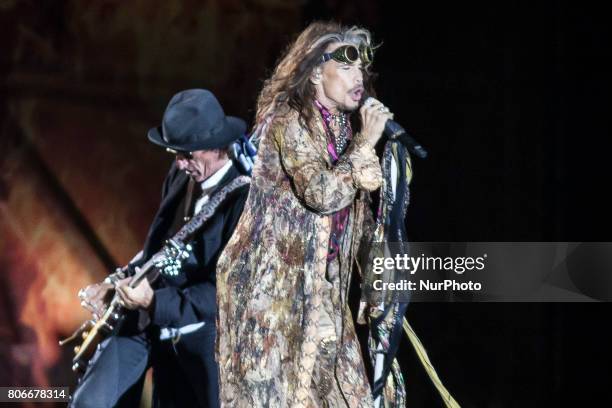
(395, 131)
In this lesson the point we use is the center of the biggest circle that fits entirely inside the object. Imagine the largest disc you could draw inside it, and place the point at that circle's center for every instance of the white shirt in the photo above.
(209, 184)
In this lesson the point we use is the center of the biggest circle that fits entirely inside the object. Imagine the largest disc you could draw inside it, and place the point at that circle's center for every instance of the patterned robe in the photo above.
(270, 275)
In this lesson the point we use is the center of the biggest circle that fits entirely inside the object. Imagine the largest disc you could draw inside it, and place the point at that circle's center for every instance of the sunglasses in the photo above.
(185, 154)
(349, 54)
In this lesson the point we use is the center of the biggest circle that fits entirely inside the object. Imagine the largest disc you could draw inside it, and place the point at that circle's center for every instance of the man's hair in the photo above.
(290, 86)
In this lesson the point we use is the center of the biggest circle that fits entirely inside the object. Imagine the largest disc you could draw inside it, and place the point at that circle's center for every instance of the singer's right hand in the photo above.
(96, 297)
(374, 115)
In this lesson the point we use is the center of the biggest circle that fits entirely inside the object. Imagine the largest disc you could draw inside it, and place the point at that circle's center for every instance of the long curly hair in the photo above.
(289, 87)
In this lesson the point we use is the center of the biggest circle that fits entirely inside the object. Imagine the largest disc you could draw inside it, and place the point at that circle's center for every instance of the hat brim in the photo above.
(232, 130)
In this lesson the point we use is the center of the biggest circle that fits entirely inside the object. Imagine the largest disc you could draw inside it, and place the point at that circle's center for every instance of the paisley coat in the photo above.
(270, 275)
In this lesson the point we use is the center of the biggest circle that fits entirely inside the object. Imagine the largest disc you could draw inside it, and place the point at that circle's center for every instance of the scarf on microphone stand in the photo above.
(386, 314)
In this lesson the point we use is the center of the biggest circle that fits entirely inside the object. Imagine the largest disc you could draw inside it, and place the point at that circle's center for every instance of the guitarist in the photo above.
(170, 324)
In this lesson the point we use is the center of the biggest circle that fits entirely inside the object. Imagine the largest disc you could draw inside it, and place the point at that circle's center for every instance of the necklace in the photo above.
(338, 129)
(338, 122)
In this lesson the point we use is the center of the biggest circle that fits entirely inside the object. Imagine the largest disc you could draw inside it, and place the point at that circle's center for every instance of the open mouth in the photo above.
(356, 93)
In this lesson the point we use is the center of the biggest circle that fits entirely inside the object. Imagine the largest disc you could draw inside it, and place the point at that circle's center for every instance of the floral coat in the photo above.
(269, 277)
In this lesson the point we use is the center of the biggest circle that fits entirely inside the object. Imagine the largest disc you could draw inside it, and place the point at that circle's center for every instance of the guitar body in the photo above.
(94, 333)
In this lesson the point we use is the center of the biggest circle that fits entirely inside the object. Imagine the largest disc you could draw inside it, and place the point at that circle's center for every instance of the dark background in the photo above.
(511, 100)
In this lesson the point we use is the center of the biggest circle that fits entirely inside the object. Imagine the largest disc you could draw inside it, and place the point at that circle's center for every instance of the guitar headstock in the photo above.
(171, 257)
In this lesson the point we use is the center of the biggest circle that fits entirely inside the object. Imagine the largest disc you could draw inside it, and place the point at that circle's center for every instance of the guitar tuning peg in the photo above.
(188, 247)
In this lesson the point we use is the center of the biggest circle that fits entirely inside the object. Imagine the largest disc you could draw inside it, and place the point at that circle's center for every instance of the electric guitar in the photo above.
(168, 260)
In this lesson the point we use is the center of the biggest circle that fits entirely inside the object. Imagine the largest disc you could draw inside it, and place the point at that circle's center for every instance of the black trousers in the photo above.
(185, 374)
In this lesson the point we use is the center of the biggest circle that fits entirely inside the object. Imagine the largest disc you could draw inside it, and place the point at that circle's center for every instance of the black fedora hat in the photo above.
(194, 120)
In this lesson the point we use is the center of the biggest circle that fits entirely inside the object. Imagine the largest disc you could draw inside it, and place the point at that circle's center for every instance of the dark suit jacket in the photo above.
(190, 297)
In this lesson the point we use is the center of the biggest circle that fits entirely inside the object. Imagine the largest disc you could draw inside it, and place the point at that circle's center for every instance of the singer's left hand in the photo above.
(140, 297)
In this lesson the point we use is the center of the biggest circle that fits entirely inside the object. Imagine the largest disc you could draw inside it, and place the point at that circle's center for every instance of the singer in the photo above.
(285, 333)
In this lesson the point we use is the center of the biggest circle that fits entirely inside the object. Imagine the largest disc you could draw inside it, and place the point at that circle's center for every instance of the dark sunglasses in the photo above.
(349, 54)
(185, 154)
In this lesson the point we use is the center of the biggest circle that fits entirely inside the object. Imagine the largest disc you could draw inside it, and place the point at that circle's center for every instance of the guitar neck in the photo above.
(142, 272)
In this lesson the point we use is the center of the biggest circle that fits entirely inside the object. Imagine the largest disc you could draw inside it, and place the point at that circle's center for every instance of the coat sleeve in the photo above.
(177, 307)
(326, 188)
